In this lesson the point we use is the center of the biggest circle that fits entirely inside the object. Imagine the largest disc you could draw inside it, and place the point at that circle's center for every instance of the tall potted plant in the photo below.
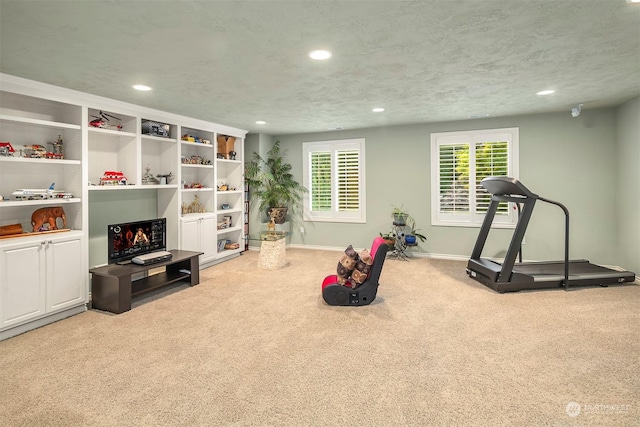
(272, 184)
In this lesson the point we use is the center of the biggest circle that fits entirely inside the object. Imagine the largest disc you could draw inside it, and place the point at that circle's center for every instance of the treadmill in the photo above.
(511, 276)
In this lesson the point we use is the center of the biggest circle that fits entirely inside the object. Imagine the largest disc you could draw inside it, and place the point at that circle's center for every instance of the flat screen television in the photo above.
(130, 239)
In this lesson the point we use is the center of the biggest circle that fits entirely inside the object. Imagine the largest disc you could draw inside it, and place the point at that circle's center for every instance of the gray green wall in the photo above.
(571, 160)
(112, 207)
(628, 185)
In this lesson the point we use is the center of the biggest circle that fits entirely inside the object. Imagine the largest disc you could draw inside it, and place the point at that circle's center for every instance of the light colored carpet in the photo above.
(252, 347)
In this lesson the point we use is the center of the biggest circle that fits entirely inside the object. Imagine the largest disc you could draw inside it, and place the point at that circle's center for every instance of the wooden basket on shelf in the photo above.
(225, 145)
(10, 230)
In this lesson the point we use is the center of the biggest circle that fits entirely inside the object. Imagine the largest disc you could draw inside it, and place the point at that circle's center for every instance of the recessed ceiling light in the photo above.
(633, 1)
(320, 55)
(142, 87)
(261, 122)
(336, 128)
(478, 116)
(546, 92)
(378, 110)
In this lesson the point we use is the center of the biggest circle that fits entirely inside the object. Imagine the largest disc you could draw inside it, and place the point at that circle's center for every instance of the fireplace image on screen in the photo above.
(133, 239)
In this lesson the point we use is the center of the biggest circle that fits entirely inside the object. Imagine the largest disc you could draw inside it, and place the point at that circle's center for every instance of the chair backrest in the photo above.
(379, 253)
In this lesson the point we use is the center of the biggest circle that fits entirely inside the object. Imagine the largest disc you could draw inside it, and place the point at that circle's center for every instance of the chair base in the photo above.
(336, 294)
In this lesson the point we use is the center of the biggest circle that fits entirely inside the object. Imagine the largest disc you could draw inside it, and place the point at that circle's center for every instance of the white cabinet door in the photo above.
(65, 277)
(199, 234)
(208, 243)
(190, 234)
(40, 277)
(22, 282)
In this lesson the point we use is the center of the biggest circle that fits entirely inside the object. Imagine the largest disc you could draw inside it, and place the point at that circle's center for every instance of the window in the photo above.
(459, 161)
(334, 175)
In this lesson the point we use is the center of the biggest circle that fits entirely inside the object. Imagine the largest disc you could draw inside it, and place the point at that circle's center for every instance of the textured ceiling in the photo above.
(235, 62)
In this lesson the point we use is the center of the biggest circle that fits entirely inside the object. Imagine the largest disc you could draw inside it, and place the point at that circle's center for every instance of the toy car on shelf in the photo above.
(35, 151)
(41, 194)
(155, 128)
(113, 178)
(50, 155)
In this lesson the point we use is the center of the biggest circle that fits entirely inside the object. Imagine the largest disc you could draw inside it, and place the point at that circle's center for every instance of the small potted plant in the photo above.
(399, 216)
(410, 239)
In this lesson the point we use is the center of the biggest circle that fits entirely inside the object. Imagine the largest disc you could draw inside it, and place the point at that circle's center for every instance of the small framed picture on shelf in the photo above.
(227, 220)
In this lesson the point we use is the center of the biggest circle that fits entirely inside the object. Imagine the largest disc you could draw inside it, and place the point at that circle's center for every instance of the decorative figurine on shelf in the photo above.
(35, 151)
(6, 149)
(148, 178)
(232, 155)
(271, 226)
(48, 216)
(195, 160)
(165, 178)
(155, 128)
(56, 149)
(225, 187)
(193, 185)
(113, 178)
(193, 207)
(102, 120)
(41, 193)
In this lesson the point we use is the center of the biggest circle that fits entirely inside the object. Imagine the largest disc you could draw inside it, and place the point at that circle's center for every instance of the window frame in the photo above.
(333, 147)
(472, 138)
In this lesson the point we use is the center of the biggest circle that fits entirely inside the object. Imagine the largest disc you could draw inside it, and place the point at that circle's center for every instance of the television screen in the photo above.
(130, 239)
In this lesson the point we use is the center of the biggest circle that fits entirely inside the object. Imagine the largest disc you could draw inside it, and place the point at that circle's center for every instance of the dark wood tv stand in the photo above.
(112, 287)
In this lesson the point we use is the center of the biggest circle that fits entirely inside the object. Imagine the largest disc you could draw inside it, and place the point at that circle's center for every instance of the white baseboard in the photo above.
(45, 320)
(426, 255)
(412, 254)
(317, 248)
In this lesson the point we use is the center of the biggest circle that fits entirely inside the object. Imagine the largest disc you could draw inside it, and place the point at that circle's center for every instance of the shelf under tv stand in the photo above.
(112, 287)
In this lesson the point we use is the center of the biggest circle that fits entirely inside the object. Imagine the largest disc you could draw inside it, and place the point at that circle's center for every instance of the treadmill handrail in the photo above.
(505, 188)
(566, 238)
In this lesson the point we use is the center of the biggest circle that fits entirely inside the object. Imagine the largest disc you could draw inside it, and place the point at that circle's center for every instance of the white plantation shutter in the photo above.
(320, 189)
(454, 194)
(348, 177)
(459, 162)
(334, 176)
(491, 159)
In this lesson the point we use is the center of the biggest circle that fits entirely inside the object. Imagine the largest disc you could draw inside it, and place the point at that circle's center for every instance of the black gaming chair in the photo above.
(336, 294)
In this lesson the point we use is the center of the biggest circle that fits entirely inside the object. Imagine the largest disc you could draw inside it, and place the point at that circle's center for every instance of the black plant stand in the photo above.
(399, 250)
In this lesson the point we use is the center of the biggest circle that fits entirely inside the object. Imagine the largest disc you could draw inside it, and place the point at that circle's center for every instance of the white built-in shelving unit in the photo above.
(44, 276)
